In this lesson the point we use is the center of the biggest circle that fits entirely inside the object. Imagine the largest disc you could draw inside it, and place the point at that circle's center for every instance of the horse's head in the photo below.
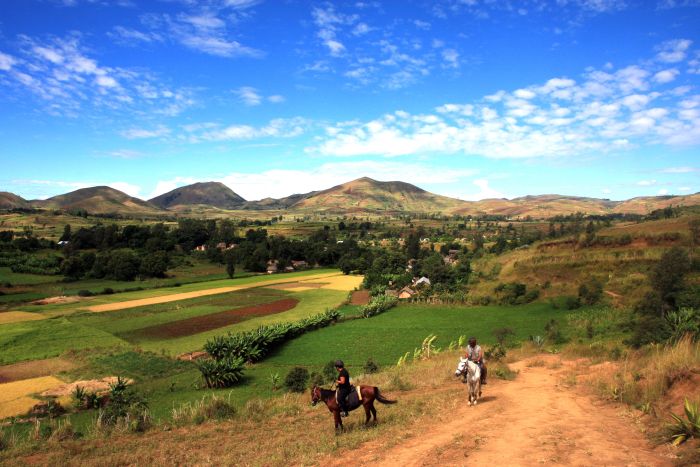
(462, 366)
(315, 395)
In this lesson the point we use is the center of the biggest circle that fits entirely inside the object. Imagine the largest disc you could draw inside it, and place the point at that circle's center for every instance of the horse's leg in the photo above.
(367, 415)
(338, 421)
(374, 411)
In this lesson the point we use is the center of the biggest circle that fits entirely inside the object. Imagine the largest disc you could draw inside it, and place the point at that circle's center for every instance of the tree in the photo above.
(230, 264)
(154, 264)
(66, 233)
(667, 275)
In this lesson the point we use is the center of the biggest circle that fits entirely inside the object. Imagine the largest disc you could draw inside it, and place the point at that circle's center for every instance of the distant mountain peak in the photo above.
(214, 194)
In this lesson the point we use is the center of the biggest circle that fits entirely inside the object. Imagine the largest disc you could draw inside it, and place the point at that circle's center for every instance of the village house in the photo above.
(422, 282)
(272, 266)
(200, 248)
(406, 292)
(299, 264)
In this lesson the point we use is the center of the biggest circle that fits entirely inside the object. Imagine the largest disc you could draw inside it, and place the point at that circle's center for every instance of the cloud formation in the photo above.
(605, 110)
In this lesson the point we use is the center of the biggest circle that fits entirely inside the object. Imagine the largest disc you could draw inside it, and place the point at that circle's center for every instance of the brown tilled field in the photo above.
(190, 326)
(34, 369)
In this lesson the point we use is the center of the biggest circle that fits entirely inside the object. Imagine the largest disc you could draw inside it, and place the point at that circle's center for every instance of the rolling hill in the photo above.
(364, 195)
(214, 194)
(12, 201)
(368, 195)
(100, 200)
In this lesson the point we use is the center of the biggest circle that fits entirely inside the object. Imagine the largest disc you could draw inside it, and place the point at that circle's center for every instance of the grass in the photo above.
(19, 316)
(388, 336)
(643, 377)
(34, 340)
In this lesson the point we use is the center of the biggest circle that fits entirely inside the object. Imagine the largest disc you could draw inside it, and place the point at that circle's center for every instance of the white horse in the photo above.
(472, 373)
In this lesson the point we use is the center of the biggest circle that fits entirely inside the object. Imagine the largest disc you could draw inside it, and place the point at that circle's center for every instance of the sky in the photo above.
(471, 99)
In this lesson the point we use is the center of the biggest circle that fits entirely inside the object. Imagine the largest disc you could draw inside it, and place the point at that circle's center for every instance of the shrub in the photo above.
(329, 372)
(503, 335)
(590, 292)
(253, 345)
(208, 408)
(85, 293)
(221, 373)
(495, 353)
(297, 379)
(370, 367)
(124, 404)
(572, 303)
(275, 381)
(553, 332)
(107, 291)
(378, 304)
(316, 379)
(681, 430)
(64, 431)
(503, 372)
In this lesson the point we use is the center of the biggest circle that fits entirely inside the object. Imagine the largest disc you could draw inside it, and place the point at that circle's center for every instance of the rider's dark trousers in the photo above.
(342, 398)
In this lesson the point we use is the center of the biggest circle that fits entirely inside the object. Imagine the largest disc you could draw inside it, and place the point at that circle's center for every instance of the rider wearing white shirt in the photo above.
(476, 354)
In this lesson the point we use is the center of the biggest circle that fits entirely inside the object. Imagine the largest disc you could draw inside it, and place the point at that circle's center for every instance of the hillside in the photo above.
(368, 195)
(11, 201)
(99, 200)
(646, 204)
(213, 194)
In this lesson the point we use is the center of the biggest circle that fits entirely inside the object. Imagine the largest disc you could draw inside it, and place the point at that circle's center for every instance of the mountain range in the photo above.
(361, 196)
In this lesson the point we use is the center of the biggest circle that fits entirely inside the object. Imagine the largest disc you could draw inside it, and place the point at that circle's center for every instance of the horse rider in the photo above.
(476, 354)
(343, 383)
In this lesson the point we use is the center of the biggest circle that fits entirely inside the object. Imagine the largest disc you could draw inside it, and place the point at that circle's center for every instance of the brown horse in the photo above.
(369, 395)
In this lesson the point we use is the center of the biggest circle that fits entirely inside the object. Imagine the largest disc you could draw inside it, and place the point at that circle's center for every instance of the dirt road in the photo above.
(533, 420)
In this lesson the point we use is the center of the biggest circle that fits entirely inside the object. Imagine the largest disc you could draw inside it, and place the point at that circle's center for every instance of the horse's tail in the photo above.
(381, 398)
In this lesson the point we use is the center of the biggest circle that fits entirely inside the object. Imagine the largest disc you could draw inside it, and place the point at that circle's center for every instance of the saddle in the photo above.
(354, 398)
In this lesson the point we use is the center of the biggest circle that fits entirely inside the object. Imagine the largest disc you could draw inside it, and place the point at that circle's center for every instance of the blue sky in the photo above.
(466, 98)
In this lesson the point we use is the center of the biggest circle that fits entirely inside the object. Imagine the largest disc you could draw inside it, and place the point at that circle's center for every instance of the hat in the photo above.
(339, 364)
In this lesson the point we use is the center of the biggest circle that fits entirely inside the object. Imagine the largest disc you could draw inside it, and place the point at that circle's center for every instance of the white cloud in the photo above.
(679, 170)
(132, 36)
(684, 188)
(125, 154)
(673, 51)
(451, 57)
(646, 182)
(485, 191)
(142, 133)
(606, 111)
(6, 61)
(128, 188)
(663, 192)
(361, 29)
(666, 76)
(606, 191)
(276, 99)
(276, 128)
(249, 96)
(66, 80)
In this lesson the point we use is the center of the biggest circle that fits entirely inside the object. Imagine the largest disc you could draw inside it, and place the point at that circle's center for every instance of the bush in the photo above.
(370, 367)
(124, 403)
(316, 379)
(553, 332)
(221, 373)
(253, 345)
(329, 372)
(572, 303)
(503, 335)
(495, 353)
(107, 291)
(85, 293)
(208, 408)
(680, 430)
(590, 292)
(297, 379)
(378, 304)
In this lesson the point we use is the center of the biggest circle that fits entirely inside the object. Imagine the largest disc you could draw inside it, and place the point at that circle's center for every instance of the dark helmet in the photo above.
(339, 364)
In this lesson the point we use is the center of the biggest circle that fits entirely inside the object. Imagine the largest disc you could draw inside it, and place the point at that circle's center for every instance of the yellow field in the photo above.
(18, 316)
(327, 277)
(342, 282)
(15, 397)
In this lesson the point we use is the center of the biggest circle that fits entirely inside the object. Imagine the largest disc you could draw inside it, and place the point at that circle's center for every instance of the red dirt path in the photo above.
(190, 326)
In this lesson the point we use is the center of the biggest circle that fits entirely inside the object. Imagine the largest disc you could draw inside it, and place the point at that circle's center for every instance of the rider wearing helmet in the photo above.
(343, 383)
(476, 354)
